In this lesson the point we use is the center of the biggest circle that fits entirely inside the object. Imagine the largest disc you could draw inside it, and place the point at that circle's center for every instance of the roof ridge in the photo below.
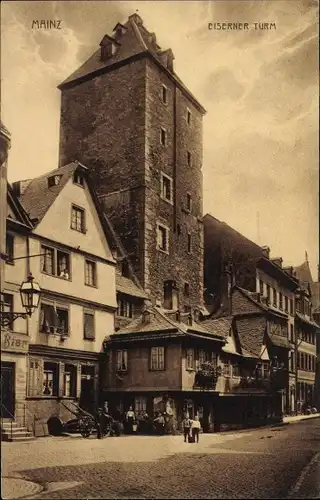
(138, 34)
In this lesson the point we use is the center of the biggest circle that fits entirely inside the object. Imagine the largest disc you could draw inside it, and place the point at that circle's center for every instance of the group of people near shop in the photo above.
(130, 422)
(142, 423)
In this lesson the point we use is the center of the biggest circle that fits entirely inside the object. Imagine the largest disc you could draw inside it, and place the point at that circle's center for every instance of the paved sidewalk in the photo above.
(298, 418)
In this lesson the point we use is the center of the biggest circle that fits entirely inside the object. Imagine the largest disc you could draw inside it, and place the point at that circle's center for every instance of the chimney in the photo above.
(136, 19)
(265, 251)
(147, 316)
(108, 47)
(19, 187)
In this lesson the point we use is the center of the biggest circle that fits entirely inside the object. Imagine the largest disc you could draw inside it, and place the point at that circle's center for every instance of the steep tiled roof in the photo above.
(136, 40)
(304, 318)
(303, 273)
(251, 332)
(17, 209)
(315, 291)
(38, 197)
(128, 287)
(157, 322)
(253, 296)
(220, 326)
(160, 322)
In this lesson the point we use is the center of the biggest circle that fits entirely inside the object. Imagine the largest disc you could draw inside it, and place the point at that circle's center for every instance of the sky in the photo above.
(259, 87)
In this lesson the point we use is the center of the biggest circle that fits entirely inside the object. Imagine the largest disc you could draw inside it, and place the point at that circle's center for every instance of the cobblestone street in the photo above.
(220, 466)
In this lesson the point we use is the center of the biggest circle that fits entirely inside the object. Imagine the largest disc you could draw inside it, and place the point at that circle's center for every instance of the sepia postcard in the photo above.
(159, 257)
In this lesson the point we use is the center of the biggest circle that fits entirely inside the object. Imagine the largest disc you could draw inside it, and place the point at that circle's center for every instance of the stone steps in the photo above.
(15, 432)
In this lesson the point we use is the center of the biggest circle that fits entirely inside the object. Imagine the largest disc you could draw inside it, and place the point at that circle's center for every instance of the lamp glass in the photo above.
(30, 294)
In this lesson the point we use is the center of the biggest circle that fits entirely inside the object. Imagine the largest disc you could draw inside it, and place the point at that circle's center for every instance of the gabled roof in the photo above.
(37, 198)
(303, 273)
(135, 42)
(220, 326)
(22, 217)
(306, 320)
(159, 322)
(253, 297)
(128, 287)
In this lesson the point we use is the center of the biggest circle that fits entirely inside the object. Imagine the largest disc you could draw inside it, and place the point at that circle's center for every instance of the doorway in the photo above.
(7, 389)
(87, 395)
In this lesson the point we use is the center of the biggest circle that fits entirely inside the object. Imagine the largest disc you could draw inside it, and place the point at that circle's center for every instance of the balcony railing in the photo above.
(206, 376)
(255, 383)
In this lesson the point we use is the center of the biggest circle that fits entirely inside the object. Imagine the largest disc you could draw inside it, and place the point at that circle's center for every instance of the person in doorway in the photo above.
(130, 419)
(195, 428)
(186, 425)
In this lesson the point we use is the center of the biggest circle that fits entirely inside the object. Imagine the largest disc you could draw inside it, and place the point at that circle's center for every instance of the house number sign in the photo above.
(14, 342)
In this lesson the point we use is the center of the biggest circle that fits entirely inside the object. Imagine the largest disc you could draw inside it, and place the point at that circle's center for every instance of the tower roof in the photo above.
(131, 41)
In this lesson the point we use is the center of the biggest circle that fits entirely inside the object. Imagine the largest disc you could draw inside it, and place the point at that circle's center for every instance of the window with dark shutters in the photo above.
(35, 377)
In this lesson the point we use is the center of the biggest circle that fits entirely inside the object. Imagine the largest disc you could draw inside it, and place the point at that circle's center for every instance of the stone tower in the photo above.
(127, 116)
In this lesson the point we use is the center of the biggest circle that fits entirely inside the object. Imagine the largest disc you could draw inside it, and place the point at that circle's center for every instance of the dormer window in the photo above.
(54, 180)
(108, 47)
(78, 179)
(125, 269)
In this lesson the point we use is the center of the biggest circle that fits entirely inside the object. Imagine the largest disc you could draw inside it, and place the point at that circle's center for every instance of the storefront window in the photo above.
(50, 379)
(140, 404)
(69, 381)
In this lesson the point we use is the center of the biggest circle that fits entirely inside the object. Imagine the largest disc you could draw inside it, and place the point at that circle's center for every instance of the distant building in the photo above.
(307, 332)
(230, 260)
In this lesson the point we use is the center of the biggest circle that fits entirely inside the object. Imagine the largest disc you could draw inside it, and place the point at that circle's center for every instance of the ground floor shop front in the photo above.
(14, 350)
(57, 378)
(216, 411)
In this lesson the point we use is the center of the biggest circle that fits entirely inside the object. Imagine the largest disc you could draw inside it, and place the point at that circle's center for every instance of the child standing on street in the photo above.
(186, 424)
(195, 428)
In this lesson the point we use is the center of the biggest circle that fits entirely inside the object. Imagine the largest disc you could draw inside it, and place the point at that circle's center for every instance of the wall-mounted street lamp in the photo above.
(30, 296)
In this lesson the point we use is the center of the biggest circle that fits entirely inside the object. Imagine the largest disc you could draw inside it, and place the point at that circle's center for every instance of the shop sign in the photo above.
(14, 342)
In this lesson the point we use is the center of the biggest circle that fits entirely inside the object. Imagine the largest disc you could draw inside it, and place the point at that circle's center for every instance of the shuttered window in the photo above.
(122, 361)
(35, 377)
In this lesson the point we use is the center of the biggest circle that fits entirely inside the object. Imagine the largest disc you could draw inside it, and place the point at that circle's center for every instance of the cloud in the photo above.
(221, 84)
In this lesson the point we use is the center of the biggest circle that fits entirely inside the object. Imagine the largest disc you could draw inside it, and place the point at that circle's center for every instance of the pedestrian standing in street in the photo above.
(159, 424)
(195, 428)
(98, 422)
(186, 425)
(130, 419)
